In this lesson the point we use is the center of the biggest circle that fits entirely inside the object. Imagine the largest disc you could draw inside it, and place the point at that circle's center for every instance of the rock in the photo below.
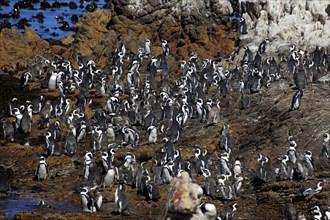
(19, 48)
(5, 175)
(91, 30)
(301, 23)
(325, 79)
(184, 197)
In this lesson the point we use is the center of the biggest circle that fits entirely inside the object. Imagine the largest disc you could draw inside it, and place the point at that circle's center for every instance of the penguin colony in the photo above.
(145, 106)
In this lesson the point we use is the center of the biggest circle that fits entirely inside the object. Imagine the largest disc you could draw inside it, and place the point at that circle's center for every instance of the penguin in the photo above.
(121, 200)
(97, 200)
(262, 46)
(209, 211)
(25, 78)
(243, 26)
(175, 129)
(8, 130)
(262, 172)
(292, 154)
(82, 131)
(26, 121)
(152, 138)
(317, 213)
(309, 162)
(52, 83)
(295, 104)
(226, 142)
(326, 147)
(225, 186)
(209, 184)
(42, 170)
(166, 49)
(153, 191)
(70, 143)
(167, 172)
(228, 212)
(214, 114)
(51, 145)
(46, 110)
(86, 201)
(237, 167)
(38, 104)
(301, 216)
(290, 211)
(248, 56)
(109, 177)
(147, 48)
(306, 193)
(237, 185)
(110, 133)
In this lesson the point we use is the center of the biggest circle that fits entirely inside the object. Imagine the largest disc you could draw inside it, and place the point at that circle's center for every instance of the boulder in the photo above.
(17, 48)
(294, 22)
(184, 197)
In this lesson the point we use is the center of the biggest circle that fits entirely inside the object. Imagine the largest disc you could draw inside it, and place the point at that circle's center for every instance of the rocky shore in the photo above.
(205, 29)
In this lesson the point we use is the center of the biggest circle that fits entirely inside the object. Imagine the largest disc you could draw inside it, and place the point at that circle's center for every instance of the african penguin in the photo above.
(42, 170)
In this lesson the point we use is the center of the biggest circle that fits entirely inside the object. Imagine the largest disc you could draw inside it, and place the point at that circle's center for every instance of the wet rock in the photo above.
(184, 197)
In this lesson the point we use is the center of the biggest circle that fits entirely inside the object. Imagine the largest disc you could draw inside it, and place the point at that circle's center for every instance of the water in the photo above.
(12, 205)
(50, 28)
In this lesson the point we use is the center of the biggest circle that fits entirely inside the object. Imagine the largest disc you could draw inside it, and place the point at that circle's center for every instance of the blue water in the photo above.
(12, 205)
(50, 28)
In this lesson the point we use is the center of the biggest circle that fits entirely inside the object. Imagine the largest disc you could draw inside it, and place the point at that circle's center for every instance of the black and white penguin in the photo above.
(147, 48)
(292, 153)
(237, 185)
(82, 131)
(307, 192)
(110, 176)
(228, 212)
(152, 138)
(317, 213)
(26, 121)
(25, 78)
(309, 163)
(38, 104)
(97, 200)
(166, 48)
(326, 146)
(209, 211)
(248, 56)
(237, 167)
(295, 104)
(42, 170)
(8, 130)
(262, 46)
(121, 200)
(51, 145)
(243, 26)
(153, 191)
(86, 201)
